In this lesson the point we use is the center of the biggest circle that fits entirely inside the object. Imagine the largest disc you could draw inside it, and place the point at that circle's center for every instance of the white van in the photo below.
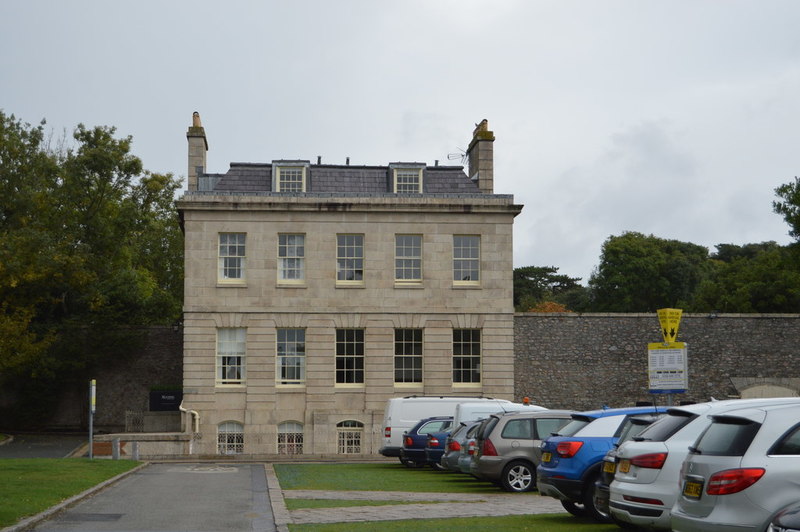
(402, 413)
(473, 411)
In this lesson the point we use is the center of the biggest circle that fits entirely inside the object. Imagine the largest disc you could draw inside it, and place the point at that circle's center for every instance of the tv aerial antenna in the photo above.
(460, 154)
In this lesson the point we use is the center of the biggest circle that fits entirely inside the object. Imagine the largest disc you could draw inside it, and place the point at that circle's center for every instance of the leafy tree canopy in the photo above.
(536, 284)
(789, 206)
(639, 273)
(89, 245)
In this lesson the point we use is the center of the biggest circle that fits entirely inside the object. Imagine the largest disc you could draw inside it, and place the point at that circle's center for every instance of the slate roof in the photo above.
(333, 179)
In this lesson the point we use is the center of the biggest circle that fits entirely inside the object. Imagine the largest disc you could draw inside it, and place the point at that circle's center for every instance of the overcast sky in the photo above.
(673, 118)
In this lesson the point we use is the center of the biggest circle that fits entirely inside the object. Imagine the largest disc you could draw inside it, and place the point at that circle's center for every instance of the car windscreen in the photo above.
(666, 426)
(726, 437)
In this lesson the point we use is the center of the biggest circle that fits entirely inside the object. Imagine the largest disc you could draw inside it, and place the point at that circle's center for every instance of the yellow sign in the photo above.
(670, 320)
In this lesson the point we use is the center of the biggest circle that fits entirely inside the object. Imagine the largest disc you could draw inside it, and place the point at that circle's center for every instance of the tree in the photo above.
(751, 278)
(536, 284)
(789, 208)
(639, 273)
(90, 248)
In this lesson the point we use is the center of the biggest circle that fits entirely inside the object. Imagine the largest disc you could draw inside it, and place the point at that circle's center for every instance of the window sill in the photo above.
(291, 285)
(231, 284)
(340, 284)
(466, 286)
(409, 385)
(230, 387)
(412, 286)
(290, 387)
(349, 386)
(472, 385)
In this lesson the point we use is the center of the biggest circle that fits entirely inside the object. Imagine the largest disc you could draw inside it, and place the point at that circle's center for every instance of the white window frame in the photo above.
(349, 259)
(466, 260)
(350, 357)
(290, 352)
(407, 259)
(231, 345)
(290, 438)
(350, 437)
(293, 168)
(467, 349)
(407, 180)
(230, 438)
(232, 257)
(291, 258)
(408, 345)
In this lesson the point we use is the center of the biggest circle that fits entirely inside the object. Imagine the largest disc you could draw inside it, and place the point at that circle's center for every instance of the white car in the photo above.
(645, 485)
(742, 471)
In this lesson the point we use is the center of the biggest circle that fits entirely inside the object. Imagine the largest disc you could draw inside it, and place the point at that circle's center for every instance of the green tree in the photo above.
(789, 208)
(90, 248)
(639, 273)
(759, 278)
(537, 284)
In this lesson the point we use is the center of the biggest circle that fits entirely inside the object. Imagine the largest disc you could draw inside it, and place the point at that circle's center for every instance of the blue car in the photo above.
(412, 454)
(572, 459)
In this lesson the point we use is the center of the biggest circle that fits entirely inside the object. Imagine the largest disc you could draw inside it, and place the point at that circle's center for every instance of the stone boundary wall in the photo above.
(584, 361)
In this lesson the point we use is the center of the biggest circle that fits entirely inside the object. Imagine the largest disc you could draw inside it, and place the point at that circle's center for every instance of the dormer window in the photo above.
(406, 178)
(289, 176)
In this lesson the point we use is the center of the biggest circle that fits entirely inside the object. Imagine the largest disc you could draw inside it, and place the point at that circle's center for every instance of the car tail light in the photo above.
(409, 441)
(568, 449)
(471, 447)
(433, 442)
(733, 480)
(387, 432)
(488, 448)
(650, 461)
(455, 446)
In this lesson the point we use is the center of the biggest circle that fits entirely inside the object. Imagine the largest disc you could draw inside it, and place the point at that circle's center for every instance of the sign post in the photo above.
(92, 387)
(667, 367)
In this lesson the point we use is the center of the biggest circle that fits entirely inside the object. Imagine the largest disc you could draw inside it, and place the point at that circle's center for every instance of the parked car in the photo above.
(469, 448)
(412, 454)
(455, 444)
(507, 448)
(741, 472)
(402, 413)
(571, 460)
(609, 466)
(644, 489)
(787, 520)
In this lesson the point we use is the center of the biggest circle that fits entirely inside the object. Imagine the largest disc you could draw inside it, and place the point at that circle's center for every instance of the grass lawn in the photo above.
(301, 504)
(376, 477)
(395, 477)
(29, 486)
(531, 523)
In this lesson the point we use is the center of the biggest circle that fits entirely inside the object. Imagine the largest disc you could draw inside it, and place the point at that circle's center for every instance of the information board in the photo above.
(667, 367)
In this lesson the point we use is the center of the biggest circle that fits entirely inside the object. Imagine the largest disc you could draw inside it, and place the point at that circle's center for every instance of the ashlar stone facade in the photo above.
(313, 293)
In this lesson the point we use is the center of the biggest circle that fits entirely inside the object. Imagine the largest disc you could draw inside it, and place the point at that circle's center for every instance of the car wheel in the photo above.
(574, 508)
(410, 463)
(590, 507)
(518, 477)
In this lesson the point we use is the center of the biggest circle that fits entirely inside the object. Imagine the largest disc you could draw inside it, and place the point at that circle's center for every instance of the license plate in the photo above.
(693, 489)
(624, 466)
(609, 467)
(546, 457)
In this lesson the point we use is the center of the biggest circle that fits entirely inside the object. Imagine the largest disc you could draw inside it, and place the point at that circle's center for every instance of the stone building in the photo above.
(315, 292)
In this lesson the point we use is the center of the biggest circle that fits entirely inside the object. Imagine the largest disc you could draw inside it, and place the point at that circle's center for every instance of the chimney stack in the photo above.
(481, 157)
(198, 146)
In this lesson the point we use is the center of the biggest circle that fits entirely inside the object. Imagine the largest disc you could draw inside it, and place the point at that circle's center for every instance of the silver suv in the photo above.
(507, 447)
(648, 467)
(741, 471)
